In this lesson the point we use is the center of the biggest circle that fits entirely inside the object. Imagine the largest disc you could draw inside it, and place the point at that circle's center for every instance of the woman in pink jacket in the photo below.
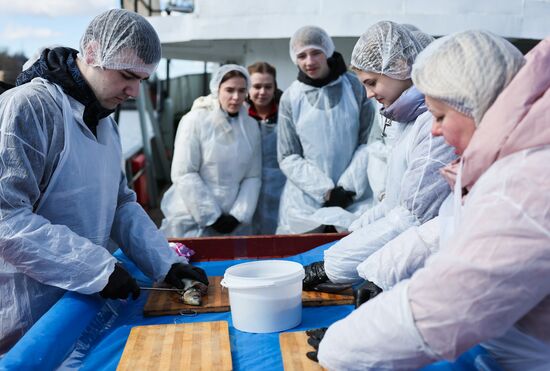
(491, 283)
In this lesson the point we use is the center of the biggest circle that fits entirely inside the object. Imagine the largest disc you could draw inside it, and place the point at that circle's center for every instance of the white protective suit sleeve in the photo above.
(402, 256)
(245, 204)
(139, 238)
(354, 178)
(422, 191)
(186, 165)
(303, 173)
(379, 335)
(372, 214)
(51, 254)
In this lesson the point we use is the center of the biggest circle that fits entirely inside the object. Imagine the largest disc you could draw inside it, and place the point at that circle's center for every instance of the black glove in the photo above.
(226, 223)
(366, 291)
(120, 285)
(339, 197)
(315, 274)
(180, 271)
(315, 337)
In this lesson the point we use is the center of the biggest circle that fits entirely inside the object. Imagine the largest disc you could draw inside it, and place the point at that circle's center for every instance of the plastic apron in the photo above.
(273, 181)
(227, 154)
(87, 170)
(331, 153)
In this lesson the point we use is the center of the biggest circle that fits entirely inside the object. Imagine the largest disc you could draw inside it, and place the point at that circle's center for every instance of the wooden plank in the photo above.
(320, 299)
(269, 246)
(186, 346)
(161, 303)
(294, 347)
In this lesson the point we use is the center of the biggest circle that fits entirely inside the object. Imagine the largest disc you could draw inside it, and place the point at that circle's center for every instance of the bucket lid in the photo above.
(262, 273)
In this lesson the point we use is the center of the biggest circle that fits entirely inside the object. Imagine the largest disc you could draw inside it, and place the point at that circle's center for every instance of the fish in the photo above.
(193, 292)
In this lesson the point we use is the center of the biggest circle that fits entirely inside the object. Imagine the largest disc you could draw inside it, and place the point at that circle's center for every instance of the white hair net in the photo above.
(217, 77)
(387, 48)
(467, 70)
(309, 37)
(119, 39)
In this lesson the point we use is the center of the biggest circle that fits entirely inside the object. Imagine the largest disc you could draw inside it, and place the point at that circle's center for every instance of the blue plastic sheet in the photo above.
(88, 333)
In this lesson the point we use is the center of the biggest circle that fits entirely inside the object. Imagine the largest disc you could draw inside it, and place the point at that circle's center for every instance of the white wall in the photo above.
(243, 19)
(245, 31)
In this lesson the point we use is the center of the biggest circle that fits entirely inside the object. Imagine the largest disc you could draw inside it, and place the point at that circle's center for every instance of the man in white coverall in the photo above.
(63, 195)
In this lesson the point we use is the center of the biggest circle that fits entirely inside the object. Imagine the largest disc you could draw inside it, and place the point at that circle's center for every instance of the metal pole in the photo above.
(147, 150)
(204, 81)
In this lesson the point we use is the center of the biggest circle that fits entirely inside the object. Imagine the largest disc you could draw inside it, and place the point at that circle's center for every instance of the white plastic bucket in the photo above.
(265, 296)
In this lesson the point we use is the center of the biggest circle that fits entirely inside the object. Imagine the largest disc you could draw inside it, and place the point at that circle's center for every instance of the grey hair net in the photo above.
(387, 48)
(467, 70)
(119, 39)
(218, 75)
(423, 38)
(309, 37)
(410, 27)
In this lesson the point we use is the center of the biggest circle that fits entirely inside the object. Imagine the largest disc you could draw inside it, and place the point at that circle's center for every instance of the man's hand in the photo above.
(120, 285)
(225, 224)
(180, 271)
(366, 291)
(339, 197)
(315, 337)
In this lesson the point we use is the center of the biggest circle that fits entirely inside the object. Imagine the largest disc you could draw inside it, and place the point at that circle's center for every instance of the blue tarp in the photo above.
(89, 333)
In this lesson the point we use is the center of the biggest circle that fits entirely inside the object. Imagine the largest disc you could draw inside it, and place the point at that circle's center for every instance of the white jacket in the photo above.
(216, 169)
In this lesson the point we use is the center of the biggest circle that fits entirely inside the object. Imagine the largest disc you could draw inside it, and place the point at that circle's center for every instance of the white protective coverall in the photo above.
(216, 169)
(414, 189)
(323, 134)
(63, 196)
(490, 284)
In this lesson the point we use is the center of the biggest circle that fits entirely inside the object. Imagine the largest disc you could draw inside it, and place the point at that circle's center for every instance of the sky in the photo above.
(26, 26)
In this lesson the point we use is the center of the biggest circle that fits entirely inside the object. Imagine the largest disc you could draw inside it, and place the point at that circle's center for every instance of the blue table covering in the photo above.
(89, 333)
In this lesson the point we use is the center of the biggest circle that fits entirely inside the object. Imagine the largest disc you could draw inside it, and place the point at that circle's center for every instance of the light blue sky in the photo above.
(26, 26)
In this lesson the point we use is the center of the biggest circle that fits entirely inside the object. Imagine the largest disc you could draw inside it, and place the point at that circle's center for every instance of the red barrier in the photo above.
(240, 247)
(138, 163)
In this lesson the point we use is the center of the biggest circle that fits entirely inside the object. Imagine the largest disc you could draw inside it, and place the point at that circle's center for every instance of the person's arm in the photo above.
(186, 164)
(245, 204)
(402, 256)
(422, 191)
(139, 238)
(31, 137)
(355, 177)
(303, 173)
(487, 279)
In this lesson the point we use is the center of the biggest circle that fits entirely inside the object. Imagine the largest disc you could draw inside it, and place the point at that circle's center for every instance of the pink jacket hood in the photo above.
(518, 120)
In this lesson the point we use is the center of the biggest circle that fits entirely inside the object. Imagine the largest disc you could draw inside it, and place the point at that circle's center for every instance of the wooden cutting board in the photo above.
(187, 346)
(294, 347)
(160, 303)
